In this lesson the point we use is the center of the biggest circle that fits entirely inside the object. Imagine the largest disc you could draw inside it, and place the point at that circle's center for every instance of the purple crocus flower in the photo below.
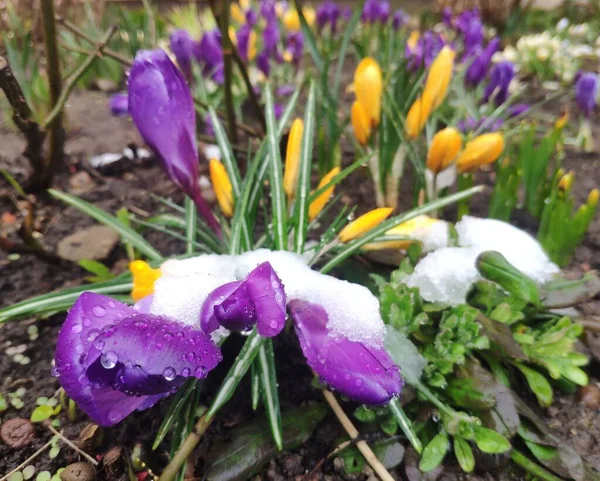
(278, 110)
(258, 299)
(346, 14)
(517, 110)
(243, 37)
(183, 47)
(485, 124)
(447, 17)
(364, 373)
(370, 13)
(586, 93)
(295, 46)
(271, 37)
(268, 10)
(119, 105)
(251, 18)
(399, 20)
(385, 10)
(263, 64)
(328, 13)
(112, 359)
(162, 109)
(500, 77)
(210, 54)
(472, 37)
(479, 66)
(427, 48)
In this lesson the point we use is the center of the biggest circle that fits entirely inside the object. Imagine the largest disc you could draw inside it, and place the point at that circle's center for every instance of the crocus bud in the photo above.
(119, 105)
(593, 197)
(561, 121)
(427, 230)
(566, 181)
(586, 93)
(479, 66)
(162, 109)
(237, 14)
(317, 205)
(222, 186)
(292, 158)
(364, 224)
(368, 86)
(183, 46)
(291, 20)
(439, 76)
(500, 77)
(417, 115)
(360, 122)
(443, 149)
(399, 20)
(482, 150)
(144, 278)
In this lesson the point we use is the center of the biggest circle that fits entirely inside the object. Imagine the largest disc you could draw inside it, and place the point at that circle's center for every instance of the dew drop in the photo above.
(186, 371)
(111, 304)
(191, 356)
(77, 328)
(169, 373)
(109, 360)
(87, 322)
(99, 344)
(184, 357)
(99, 311)
(92, 335)
(55, 371)
(200, 371)
(113, 415)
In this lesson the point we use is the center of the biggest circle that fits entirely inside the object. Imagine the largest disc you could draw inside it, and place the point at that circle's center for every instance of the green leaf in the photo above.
(434, 453)
(279, 212)
(364, 414)
(541, 452)
(191, 225)
(247, 449)
(493, 266)
(490, 441)
(464, 454)
(177, 404)
(354, 246)
(41, 413)
(101, 272)
(304, 170)
(105, 218)
(270, 394)
(538, 384)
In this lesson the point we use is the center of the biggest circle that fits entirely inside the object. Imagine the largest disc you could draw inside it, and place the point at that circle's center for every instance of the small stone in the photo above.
(90, 437)
(589, 396)
(78, 472)
(94, 243)
(80, 183)
(17, 432)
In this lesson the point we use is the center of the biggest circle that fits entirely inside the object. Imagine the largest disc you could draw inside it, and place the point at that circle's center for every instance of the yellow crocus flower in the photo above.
(233, 36)
(482, 150)
(415, 228)
(222, 186)
(291, 20)
(364, 223)
(360, 122)
(309, 15)
(566, 181)
(417, 115)
(561, 121)
(245, 4)
(444, 147)
(439, 76)
(413, 38)
(368, 85)
(317, 205)
(252, 46)
(144, 278)
(237, 14)
(292, 158)
(593, 197)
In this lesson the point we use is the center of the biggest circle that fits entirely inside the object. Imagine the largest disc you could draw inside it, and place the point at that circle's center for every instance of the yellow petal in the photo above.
(292, 158)
(482, 150)
(566, 181)
(252, 45)
(317, 205)
(364, 223)
(368, 85)
(593, 197)
(233, 36)
(237, 13)
(444, 147)
(413, 38)
(561, 121)
(245, 4)
(417, 116)
(416, 228)
(144, 278)
(222, 186)
(439, 76)
(309, 15)
(360, 123)
(291, 20)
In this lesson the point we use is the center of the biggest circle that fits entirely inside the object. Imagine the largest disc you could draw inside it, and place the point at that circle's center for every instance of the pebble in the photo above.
(589, 396)
(17, 432)
(94, 243)
(78, 472)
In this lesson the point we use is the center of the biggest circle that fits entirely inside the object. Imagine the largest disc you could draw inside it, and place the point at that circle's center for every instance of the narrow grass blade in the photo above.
(105, 218)
(255, 383)
(279, 212)
(350, 29)
(270, 395)
(191, 225)
(405, 425)
(177, 404)
(310, 40)
(336, 179)
(354, 246)
(303, 190)
(169, 232)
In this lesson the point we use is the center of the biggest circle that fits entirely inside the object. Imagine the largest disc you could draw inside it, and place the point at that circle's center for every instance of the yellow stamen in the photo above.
(482, 150)
(368, 85)
(360, 123)
(364, 224)
(317, 205)
(144, 278)
(444, 147)
(292, 158)
(222, 186)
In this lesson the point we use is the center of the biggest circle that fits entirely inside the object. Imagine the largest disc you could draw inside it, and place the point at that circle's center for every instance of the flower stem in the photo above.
(405, 424)
(362, 446)
(528, 465)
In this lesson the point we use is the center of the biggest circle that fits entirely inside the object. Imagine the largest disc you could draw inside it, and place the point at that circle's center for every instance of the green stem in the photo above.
(405, 424)
(465, 181)
(191, 224)
(528, 465)
(268, 381)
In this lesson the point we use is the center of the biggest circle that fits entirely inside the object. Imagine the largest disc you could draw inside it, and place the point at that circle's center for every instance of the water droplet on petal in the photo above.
(169, 373)
(111, 304)
(76, 328)
(113, 416)
(200, 371)
(109, 360)
(92, 335)
(87, 321)
(191, 356)
(99, 311)
(184, 357)
(186, 371)
(55, 371)
(99, 344)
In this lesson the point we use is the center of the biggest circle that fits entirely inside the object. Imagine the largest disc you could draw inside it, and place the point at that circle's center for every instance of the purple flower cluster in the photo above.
(586, 92)
(501, 76)
(480, 63)
(380, 11)
(328, 15)
(425, 51)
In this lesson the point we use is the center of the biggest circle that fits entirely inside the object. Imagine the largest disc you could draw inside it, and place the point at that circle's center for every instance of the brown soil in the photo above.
(94, 131)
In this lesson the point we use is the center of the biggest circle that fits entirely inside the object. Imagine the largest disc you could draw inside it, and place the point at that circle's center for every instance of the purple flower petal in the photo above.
(366, 374)
(119, 105)
(586, 92)
(208, 320)
(162, 108)
(183, 46)
(266, 292)
(112, 360)
(518, 109)
(500, 77)
(478, 68)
